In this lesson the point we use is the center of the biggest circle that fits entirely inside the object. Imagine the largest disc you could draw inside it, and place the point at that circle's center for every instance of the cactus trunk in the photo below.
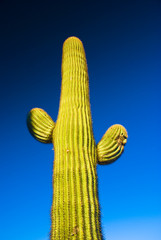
(75, 210)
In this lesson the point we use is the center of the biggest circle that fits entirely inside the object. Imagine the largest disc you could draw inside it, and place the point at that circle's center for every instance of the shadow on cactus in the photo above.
(75, 209)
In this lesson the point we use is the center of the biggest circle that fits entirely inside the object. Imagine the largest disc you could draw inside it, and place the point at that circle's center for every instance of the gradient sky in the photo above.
(122, 40)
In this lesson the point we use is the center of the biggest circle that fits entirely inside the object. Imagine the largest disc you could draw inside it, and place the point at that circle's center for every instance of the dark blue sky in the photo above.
(122, 40)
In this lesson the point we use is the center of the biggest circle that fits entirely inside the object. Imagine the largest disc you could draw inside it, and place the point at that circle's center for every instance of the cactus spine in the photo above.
(75, 210)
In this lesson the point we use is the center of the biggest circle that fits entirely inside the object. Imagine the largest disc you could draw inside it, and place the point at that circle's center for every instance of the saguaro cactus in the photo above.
(75, 210)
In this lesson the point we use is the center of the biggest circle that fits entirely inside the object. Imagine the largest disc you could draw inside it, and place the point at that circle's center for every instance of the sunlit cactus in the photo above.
(75, 210)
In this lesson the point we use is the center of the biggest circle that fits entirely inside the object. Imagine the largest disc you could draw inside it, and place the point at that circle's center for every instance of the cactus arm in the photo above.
(111, 146)
(40, 125)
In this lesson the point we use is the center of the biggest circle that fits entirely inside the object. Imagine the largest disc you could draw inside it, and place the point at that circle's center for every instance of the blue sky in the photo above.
(122, 44)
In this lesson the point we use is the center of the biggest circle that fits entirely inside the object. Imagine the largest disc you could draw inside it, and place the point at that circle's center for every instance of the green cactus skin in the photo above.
(75, 210)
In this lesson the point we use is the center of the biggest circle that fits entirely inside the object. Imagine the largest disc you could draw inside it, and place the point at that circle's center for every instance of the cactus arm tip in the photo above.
(40, 125)
(111, 146)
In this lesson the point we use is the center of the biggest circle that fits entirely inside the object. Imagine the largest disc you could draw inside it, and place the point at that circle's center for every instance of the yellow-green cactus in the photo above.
(75, 209)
